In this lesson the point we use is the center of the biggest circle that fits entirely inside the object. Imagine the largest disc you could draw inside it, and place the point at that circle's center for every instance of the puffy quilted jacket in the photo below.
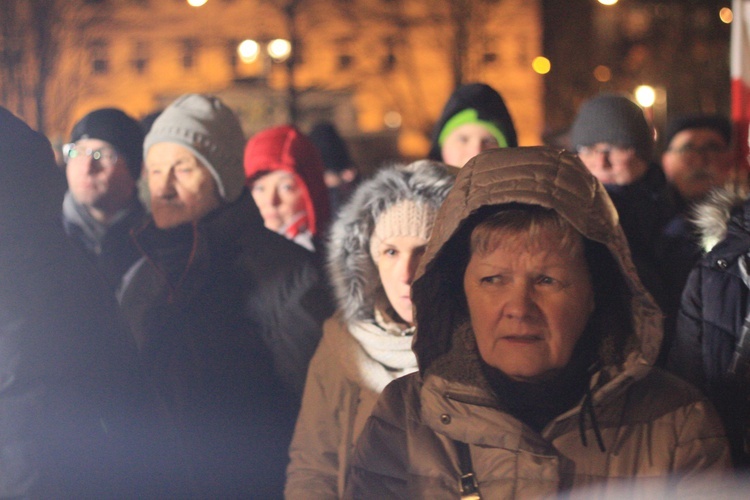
(637, 432)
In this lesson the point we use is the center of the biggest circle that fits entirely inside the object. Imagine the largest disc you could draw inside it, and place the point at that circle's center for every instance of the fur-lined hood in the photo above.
(711, 216)
(352, 271)
(536, 176)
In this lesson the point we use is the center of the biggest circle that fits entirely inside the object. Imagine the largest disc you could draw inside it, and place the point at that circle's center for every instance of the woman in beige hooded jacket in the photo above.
(373, 249)
(505, 412)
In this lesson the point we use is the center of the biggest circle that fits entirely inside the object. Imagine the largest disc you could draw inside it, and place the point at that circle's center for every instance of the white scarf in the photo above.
(373, 353)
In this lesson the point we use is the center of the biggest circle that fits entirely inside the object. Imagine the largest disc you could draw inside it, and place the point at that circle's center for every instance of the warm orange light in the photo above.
(248, 50)
(541, 65)
(196, 3)
(279, 49)
(726, 15)
(602, 73)
(607, 2)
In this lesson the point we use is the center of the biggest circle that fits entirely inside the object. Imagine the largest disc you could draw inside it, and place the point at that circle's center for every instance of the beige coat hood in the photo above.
(536, 176)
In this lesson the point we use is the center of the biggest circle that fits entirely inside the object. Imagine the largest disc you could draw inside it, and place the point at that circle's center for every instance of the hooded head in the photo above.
(401, 200)
(29, 179)
(332, 147)
(211, 132)
(286, 149)
(474, 104)
(554, 180)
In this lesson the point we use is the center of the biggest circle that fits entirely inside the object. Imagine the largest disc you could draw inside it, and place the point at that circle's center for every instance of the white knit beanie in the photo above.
(211, 131)
(405, 218)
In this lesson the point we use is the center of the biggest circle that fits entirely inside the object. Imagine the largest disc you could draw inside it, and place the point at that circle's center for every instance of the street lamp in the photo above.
(278, 50)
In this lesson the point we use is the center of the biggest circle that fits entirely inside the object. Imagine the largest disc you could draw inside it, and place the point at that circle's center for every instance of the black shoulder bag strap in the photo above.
(467, 483)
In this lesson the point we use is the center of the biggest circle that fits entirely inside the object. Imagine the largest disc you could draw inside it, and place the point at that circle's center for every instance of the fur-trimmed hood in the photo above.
(352, 271)
(536, 176)
(711, 216)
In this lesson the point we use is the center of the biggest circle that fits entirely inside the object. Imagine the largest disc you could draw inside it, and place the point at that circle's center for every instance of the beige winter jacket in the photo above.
(660, 436)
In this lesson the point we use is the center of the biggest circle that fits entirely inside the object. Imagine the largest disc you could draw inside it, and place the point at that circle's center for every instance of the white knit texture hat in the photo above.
(405, 218)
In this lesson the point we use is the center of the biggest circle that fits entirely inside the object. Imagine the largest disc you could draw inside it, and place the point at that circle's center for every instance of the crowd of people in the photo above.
(491, 321)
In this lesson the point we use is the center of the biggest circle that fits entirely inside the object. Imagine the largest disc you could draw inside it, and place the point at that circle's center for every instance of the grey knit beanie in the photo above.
(211, 131)
(614, 119)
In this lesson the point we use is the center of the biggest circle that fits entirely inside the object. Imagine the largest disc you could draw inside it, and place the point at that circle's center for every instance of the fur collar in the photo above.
(711, 216)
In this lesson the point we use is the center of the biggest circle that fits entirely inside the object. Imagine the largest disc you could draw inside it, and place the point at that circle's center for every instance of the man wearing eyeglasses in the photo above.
(103, 163)
(615, 142)
(698, 157)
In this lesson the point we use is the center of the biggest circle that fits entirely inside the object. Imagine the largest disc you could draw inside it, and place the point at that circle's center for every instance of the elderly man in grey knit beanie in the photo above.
(226, 314)
(613, 139)
(615, 142)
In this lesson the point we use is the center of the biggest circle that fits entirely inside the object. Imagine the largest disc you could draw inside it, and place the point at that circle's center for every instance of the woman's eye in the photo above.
(258, 188)
(546, 280)
(288, 187)
(492, 280)
(390, 251)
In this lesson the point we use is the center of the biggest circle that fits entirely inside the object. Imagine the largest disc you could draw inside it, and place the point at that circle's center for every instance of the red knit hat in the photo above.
(285, 148)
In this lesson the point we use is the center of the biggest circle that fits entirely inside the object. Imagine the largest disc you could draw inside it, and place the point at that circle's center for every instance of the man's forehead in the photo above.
(698, 133)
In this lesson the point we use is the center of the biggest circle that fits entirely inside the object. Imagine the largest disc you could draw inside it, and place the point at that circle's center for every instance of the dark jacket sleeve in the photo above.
(380, 463)
(686, 354)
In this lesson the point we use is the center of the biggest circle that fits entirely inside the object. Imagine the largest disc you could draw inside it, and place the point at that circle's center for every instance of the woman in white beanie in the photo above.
(373, 253)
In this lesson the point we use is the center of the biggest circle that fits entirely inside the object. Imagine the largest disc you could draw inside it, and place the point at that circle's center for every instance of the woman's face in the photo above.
(528, 303)
(278, 195)
(398, 257)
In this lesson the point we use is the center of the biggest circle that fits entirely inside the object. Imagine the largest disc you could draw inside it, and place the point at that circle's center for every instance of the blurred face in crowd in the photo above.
(279, 197)
(98, 177)
(529, 300)
(182, 188)
(612, 164)
(696, 161)
(398, 257)
(465, 142)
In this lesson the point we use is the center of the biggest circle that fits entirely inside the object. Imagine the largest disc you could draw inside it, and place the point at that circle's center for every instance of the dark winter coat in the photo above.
(636, 431)
(713, 309)
(76, 419)
(227, 315)
(644, 208)
(115, 252)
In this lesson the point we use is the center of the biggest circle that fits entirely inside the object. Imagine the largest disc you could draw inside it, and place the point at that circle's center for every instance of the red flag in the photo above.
(740, 72)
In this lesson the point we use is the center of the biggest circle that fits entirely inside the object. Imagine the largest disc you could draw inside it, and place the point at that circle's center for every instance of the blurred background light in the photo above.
(726, 16)
(392, 119)
(645, 95)
(196, 3)
(607, 2)
(541, 65)
(248, 50)
(279, 49)
(602, 73)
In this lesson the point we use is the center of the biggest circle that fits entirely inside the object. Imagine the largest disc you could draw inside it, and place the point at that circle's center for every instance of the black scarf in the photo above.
(537, 403)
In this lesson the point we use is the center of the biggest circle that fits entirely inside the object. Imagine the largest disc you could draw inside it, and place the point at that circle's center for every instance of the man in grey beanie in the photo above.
(226, 314)
(103, 162)
(615, 142)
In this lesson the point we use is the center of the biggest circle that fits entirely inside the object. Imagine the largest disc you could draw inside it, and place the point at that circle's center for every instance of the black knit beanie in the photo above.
(717, 123)
(117, 128)
(613, 119)
(489, 106)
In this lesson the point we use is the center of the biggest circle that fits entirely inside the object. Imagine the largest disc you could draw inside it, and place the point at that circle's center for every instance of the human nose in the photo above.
(275, 198)
(519, 302)
(164, 186)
